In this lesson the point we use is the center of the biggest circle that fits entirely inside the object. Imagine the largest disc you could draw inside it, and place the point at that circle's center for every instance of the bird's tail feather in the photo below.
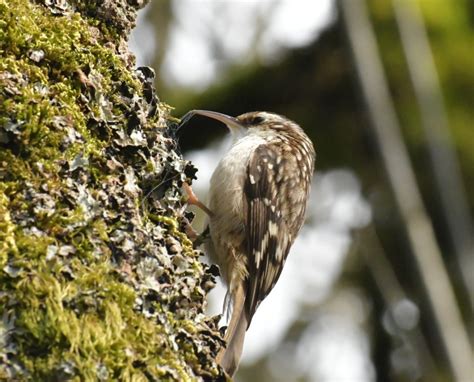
(229, 356)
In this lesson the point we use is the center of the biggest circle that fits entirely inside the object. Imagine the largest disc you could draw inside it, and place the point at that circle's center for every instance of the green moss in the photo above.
(98, 281)
(173, 228)
(7, 237)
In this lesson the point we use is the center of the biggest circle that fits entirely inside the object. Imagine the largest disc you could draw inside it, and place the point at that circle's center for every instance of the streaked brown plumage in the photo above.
(258, 197)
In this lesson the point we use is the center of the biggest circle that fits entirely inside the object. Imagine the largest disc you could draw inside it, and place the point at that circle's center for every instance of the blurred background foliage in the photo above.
(315, 83)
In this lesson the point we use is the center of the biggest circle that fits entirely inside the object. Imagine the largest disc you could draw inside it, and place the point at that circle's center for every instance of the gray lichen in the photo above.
(98, 280)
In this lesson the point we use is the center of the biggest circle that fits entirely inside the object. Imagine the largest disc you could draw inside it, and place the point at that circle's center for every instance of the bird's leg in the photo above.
(193, 199)
(202, 238)
(190, 232)
(196, 238)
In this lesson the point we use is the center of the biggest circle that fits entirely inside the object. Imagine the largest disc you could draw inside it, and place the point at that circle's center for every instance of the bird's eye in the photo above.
(256, 120)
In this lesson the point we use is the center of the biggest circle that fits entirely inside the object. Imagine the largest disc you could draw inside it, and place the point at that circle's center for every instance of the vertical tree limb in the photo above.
(446, 169)
(395, 157)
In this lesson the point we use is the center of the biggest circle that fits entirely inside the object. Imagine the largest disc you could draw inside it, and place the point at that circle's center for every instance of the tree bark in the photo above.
(98, 280)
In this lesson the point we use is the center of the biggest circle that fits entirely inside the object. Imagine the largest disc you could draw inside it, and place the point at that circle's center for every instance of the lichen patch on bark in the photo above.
(98, 280)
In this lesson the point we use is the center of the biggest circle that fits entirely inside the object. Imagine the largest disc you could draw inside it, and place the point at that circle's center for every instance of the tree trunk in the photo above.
(98, 280)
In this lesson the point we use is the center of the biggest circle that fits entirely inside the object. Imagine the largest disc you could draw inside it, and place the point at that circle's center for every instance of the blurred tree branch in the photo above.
(395, 157)
(435, 124)
(392, 293)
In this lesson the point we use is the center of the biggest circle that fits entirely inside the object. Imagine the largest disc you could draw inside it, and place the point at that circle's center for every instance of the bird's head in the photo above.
(251, 122)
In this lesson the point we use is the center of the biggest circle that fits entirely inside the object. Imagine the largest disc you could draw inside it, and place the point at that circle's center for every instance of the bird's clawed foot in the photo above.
(203, 237)
(196, 238)
(193, 199)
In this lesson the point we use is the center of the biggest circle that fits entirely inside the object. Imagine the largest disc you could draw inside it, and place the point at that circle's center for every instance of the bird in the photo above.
(258, 196)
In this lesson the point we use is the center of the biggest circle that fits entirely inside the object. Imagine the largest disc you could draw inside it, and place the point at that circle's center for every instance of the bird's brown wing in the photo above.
(268, 238)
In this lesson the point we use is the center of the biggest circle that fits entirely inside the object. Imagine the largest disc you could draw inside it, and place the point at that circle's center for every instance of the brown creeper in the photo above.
(258, 197)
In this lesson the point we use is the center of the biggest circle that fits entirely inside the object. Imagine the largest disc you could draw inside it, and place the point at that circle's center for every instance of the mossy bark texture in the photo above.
(98, 280)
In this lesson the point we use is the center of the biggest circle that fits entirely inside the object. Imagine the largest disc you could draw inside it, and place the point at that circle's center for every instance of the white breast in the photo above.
(226, 194)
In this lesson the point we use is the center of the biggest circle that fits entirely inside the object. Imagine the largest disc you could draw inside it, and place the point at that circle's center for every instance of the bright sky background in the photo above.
(191, 60)
(335, 346)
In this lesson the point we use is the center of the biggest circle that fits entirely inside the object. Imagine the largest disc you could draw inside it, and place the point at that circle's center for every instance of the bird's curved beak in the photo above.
(232, 123)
